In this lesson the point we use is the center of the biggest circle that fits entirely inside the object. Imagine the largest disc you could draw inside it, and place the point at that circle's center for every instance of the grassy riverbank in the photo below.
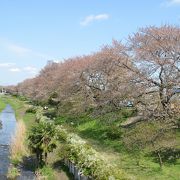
(2, 103)
(102, 136)
(106, 138)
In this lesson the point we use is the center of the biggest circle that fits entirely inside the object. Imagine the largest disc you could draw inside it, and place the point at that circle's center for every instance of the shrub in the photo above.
(169, 155)
(42, 140)
(114, 132)
(31, 110)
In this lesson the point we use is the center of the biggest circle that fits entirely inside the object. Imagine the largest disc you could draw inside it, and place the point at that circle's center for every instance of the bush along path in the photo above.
(83, 161)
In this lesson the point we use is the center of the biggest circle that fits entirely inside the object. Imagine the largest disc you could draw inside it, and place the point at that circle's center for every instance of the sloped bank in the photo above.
(82, 160)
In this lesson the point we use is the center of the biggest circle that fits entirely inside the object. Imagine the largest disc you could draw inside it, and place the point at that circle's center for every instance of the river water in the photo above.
(7, 129)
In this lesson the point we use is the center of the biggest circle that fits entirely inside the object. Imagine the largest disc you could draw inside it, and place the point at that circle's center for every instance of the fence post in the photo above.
(75, 173)
(73, 168)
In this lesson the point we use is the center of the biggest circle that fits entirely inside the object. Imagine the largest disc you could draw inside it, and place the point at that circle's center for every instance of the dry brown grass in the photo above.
(18, 148)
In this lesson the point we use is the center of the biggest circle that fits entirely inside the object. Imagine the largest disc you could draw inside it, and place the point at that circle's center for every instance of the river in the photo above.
(8, 121)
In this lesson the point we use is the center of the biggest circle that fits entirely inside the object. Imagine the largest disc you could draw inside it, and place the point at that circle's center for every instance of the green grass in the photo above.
(2, 103)
(105, 135)
(29, 120)
(46, 173)
(18, 105)
(13, 173)
(151, 170)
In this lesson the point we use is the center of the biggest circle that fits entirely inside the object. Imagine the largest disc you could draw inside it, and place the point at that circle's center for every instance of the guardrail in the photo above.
(78, 175)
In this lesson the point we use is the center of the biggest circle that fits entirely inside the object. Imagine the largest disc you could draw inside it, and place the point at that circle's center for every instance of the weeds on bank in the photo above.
(17, 147)
(13, 172)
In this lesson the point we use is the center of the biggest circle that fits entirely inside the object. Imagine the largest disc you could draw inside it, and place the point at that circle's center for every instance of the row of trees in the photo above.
(144, 72)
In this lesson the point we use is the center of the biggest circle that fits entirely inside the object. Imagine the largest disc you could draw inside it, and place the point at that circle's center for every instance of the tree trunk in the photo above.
(41, 159)
(45, 158)
(37, 157)
(160, 160)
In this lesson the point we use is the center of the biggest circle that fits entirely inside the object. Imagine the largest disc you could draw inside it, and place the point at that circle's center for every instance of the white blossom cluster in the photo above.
(88, 160)
(40, 116)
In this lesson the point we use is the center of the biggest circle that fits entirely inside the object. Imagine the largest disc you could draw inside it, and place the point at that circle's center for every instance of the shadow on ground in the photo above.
(62, 171)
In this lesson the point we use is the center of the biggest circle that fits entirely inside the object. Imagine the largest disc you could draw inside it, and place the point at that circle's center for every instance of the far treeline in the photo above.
(142, 74)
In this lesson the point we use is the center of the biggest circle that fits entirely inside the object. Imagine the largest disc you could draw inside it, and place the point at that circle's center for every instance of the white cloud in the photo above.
(91, 18)
(27, 69)
(20, 51)
(6, 65)
(15, 69)
(169, 3)
(23, 51)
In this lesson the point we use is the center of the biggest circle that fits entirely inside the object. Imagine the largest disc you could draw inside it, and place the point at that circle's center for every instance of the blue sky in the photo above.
(35, 31)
